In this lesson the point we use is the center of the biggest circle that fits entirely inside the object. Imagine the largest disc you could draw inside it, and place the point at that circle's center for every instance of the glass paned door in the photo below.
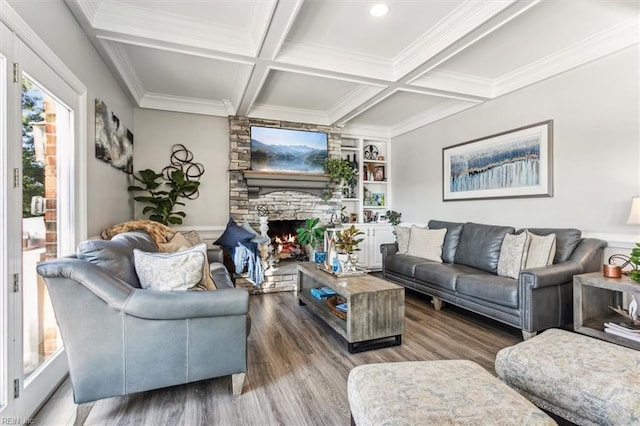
(41, 338)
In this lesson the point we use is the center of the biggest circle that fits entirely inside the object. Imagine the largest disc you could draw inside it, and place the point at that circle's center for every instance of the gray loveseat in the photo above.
(540, 298)
(121, 339)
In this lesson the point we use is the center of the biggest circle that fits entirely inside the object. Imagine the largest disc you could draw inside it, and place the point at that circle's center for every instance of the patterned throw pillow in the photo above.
(232, 235)
(542, 250)
(426, 243)
(181, 270)
(513, 255)
(402, 237)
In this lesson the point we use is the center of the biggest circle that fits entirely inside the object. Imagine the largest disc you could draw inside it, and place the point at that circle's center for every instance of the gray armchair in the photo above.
(115, 332)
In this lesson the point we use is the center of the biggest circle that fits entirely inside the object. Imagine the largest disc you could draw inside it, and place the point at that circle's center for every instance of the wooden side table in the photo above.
(592, 296)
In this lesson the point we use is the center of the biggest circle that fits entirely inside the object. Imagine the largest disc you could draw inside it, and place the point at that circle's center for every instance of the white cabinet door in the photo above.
(381, 234)
(374, 235)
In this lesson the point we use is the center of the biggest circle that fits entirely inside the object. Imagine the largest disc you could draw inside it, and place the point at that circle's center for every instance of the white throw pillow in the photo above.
(426, 243)
(513, 255)
(181, 270)
(402, 237)
(542, 250)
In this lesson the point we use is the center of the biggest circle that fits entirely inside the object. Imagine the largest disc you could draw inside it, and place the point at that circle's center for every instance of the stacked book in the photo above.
(321, 293)
(623, 329)
(342, 307)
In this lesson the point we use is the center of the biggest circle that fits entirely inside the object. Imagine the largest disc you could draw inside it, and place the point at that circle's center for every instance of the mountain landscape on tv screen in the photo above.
(286, 158)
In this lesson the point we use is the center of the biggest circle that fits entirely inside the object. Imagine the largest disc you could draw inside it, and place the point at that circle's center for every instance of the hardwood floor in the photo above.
(298, 369)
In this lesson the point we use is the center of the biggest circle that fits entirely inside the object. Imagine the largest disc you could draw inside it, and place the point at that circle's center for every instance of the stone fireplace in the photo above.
(291, 204)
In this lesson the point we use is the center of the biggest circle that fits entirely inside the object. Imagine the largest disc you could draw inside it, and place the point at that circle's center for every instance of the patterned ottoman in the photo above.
(585, 380)
(437, 393)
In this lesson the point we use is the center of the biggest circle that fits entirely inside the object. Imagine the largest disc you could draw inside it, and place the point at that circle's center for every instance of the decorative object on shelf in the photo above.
(378, 174)
(368, 215)
(353, 217)
(311, 235)
(632, 316)
(333, 302)
(382, 218)
(380, 158)
(612, 270)
(370, 152)
(181, 184)
(515, 163)
(377, 199)
(340, 171)
(114, 142)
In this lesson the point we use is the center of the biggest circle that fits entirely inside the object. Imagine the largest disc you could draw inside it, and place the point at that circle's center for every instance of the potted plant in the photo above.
(163, 201)
(347, 241)
(394, 217)
(311, 236)
(339, 171)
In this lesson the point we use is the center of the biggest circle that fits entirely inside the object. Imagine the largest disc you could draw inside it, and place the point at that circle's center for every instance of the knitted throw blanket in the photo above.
(159, 232)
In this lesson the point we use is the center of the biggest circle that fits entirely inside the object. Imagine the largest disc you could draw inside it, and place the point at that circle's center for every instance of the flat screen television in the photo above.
(286, 150)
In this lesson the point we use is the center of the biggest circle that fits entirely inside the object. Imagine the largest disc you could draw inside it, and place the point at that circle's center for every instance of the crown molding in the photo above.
(188, 105)
(429, 116)
(354, 99)
(273, 112)
(595, 47)
(457, 83)
(141, 22)
(336, 60)
(122, 64)
(456, 25)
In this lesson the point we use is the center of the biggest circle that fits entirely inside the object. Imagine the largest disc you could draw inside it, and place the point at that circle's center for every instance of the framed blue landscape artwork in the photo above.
(511, 164)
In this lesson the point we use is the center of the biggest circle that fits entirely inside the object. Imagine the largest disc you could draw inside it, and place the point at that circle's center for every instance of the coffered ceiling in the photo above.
(330, 62)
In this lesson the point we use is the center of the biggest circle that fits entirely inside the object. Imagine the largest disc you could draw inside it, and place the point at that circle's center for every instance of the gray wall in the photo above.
(595, 109)
(108, 202)
(208, 138)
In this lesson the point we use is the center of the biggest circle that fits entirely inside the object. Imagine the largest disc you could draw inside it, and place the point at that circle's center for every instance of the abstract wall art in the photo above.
(511, 164)
(114, 142)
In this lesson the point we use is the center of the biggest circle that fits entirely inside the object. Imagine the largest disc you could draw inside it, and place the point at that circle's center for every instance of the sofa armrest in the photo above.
(548, 276)
(388, 249)
(215, 254)
(172, 305)
(107, 287)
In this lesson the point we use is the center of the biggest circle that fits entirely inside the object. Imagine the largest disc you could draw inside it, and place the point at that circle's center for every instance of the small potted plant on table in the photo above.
(347, 241)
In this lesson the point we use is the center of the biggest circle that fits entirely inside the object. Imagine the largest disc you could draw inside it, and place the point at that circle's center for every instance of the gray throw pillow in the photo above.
(258, 239)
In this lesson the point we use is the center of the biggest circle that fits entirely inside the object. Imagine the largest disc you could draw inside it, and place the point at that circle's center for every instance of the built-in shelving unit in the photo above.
(369, 200)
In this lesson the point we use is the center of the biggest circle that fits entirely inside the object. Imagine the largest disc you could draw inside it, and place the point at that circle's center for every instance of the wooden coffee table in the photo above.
(375, 307)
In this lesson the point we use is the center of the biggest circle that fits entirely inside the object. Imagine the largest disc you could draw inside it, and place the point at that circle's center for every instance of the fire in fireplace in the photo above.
(283, 238)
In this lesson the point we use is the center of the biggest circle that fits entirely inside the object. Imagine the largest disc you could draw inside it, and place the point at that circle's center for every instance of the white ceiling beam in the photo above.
(466, 18)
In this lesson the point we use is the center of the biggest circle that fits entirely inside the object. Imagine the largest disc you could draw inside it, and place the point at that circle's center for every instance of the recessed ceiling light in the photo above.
(378, 10)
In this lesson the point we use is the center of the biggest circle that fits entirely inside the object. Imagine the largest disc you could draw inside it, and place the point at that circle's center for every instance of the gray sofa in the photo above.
(121, 339)
(541, 298)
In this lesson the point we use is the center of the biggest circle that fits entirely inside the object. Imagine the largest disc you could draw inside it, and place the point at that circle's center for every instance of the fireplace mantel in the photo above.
(260, 183)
